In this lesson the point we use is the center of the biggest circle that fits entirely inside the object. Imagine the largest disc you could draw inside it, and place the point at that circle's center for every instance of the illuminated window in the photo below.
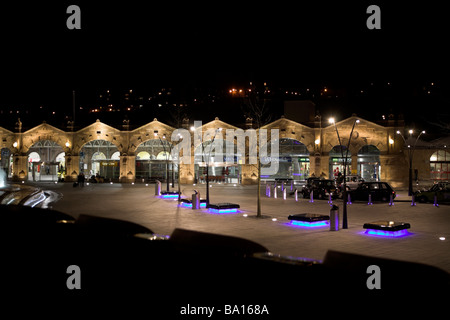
(143, 155)
(439, 165)
(369, 163)
(34, 157)
(115, 156)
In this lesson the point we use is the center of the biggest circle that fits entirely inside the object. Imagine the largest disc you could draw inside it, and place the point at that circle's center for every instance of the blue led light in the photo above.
(212, 210)
(186, 204)
(386, 233)
(189, 205)
(168, 196)
(313, 224)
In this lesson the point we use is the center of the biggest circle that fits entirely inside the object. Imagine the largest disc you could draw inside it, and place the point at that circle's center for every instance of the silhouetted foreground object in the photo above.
(214, 244)
(125, 266)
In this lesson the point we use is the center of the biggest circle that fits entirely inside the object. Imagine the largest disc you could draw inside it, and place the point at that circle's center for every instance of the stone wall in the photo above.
(318, 140)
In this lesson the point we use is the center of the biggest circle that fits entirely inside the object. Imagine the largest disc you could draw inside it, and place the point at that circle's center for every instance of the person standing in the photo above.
(82, 178)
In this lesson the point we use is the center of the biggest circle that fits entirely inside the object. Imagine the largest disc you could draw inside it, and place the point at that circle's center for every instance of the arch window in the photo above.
(293, 161)
(440, 165)
(337, 162)
(42, 162)
(151, 161)
(34, 157)
(100, 158)
(369, 163)
(212, 157)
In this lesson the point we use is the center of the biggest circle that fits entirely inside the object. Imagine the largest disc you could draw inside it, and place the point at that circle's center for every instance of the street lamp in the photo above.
(180, 137)
(344, 196)
(207, 165)
(410, 157)
(167, 156)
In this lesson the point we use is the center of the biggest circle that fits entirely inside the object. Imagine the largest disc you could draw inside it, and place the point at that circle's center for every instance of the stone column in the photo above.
(249, 174)
(394, 170)
(127, 169)
(314, 165)
(187, 173)
(354, 166)
(324, 167)
(20, 168)
(421, 162)
(72, 167)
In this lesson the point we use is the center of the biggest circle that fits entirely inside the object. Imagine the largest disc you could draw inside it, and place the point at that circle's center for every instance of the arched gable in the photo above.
(6, 139)
(150, 131)
(364, 133)
(98, 131)
(44, 132)
(293, 130)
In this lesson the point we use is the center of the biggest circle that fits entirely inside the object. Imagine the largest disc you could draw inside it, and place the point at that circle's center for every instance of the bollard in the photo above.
(311, 196)
(435, 200)
(282, 185)
(268, 191)
(413, 202)
(334, 218)
(292, 185)
(275, 191)
(349, 199)
(195, 200)
(296, 195)
(391, 200)
(284, 194)
(370, 200)
(329, 198)
(158, 188)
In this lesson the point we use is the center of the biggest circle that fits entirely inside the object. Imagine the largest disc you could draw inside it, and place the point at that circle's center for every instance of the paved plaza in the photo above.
(428, 240)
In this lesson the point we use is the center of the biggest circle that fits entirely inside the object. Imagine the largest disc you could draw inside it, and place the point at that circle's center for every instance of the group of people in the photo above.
(81, 178)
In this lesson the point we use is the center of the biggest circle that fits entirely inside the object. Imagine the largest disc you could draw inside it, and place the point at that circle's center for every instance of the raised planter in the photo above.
(224, 207)
(309, 220)
(187, 203)
(387, 228)
(169, 194)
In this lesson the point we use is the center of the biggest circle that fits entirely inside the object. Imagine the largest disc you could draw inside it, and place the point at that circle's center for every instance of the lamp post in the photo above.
(207, 165)
(178, 168)
(344, 196)
(410, 157)
(167, 157)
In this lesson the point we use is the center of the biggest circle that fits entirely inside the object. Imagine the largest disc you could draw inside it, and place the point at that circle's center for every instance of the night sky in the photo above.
(187, 46)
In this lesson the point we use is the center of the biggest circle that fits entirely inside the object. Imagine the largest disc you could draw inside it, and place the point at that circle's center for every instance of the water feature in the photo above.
(19, 194)
(2, 178)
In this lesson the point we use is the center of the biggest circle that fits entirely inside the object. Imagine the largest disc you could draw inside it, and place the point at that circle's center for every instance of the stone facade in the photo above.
(319, 141)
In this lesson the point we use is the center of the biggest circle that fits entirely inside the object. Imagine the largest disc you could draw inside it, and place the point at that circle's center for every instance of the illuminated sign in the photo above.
(109, 163)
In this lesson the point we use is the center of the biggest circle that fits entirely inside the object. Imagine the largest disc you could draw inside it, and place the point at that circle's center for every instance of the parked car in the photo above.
(353, 182)
(379, 191)
(440, 189)
(321, 189)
